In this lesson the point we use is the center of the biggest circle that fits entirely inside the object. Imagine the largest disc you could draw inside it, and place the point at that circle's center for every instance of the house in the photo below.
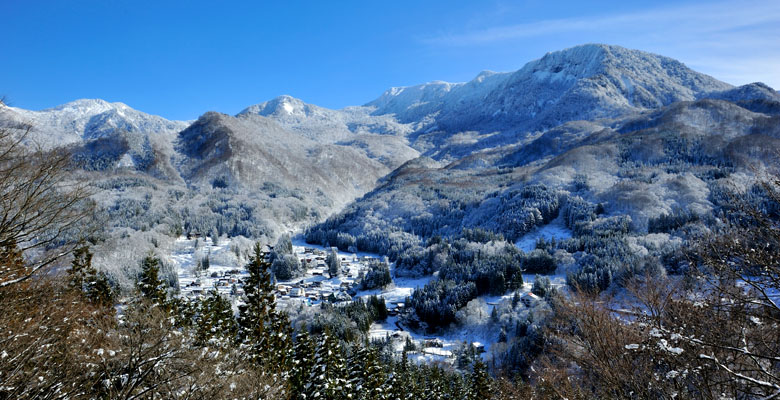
(479, 347)
(297, 292)
(433, 342)
(342, 296)
(529, 299)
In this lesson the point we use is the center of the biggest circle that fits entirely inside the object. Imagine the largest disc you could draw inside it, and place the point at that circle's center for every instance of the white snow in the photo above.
(554, 230)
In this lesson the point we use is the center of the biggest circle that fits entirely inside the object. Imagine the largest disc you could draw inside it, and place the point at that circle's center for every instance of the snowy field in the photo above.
(554, 230)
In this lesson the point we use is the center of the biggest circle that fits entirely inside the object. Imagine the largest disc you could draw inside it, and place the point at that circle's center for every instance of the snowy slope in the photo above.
(323, 124)
(88, 119)
(581, 83)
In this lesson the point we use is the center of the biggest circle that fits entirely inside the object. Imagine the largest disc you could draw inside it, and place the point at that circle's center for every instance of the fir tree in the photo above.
(215, 319)
(149, 283)
(85, 278)
(264, 331)
(480, 381)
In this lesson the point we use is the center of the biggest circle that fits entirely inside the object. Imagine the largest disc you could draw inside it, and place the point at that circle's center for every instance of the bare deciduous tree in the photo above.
(42, 213)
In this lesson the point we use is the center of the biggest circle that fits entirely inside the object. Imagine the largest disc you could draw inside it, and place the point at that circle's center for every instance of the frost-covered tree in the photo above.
(287, 267)
(377, 276)
(264, 331)
(149, 283)
(44, 214)
(334, 263)
(542, 286)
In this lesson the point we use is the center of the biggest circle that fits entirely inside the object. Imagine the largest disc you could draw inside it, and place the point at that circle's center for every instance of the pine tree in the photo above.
(302, 363)
(480, 381)
(86, 278)
(215, 319)
(149, 283)
(265, 332)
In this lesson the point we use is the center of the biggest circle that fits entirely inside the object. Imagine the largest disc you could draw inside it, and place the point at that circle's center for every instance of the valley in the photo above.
(520, 221)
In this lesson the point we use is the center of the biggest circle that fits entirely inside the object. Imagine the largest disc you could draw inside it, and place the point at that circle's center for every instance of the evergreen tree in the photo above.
(214, 236)
(215, 319)
(85, 278)
(334, 263)
(205, 263)
(82, 260)
(302, 364)
(264, 331)
(149, 283)
(480, 381)
(284, 245)
(373, 386)
(327, 379)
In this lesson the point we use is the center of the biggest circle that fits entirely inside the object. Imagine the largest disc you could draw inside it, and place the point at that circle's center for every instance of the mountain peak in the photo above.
(279, 106)
(85, 119)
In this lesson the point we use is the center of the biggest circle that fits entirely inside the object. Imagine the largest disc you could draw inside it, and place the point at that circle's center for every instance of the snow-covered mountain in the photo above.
(580, 83)
(323, 124)
(88, 119)
(560, 103)
(251, 150)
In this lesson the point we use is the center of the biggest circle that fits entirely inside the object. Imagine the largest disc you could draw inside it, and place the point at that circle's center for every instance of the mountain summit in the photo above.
(88, 119)
(584, 82)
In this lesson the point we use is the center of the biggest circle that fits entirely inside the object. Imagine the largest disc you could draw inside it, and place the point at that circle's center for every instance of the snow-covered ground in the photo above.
(554, 230)
(224, 270)
(227, 269)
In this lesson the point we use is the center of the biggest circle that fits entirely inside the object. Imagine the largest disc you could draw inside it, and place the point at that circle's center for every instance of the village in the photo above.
(203, 267)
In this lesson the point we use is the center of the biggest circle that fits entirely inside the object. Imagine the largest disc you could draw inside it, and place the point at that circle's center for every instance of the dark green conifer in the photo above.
(85, 278)
(215, 319)
(480, 381)
(302, 363)
(149, 283)
(266, 332)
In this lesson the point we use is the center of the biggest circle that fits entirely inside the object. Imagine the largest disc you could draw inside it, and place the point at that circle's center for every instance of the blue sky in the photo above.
(180, 59)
